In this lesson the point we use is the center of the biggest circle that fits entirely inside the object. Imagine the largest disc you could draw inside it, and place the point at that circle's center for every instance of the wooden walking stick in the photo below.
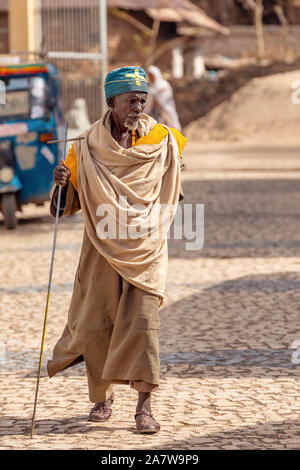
(49, 288)
(64, 140)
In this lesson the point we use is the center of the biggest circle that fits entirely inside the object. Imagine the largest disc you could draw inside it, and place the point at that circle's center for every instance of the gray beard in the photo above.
(131, 124)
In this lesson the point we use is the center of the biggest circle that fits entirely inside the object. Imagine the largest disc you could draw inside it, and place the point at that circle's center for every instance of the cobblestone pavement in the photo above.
(230, 368)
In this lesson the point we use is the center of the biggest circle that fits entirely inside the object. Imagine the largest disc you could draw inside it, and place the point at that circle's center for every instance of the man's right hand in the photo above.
(62, 174)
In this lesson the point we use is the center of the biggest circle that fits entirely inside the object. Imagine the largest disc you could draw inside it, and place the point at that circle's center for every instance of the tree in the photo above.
(257, 8)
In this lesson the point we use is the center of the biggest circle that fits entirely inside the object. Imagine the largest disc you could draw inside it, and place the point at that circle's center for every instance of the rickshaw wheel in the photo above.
(9, 207)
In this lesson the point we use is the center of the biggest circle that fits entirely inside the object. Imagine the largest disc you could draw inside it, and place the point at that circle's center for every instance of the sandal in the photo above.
(145, 423)
(101, 411)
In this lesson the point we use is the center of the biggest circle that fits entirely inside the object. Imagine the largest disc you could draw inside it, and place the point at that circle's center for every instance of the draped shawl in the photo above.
(123, 190)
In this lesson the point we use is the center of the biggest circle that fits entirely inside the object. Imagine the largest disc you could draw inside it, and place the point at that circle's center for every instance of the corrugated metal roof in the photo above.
(126, 4)
(143, 4)
(194, 17)
(167, 10)
(172, 10)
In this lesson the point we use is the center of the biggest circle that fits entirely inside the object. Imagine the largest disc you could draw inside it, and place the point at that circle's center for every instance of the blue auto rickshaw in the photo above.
(31, 115)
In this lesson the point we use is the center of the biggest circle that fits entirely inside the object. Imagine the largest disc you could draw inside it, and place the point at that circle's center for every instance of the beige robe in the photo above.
(147, 178)
(112, 325)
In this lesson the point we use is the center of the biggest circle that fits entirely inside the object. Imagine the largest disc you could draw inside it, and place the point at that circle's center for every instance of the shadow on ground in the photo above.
(42, 224)
(244, 218)
(14, 426)
(269, 435)
(241, 327)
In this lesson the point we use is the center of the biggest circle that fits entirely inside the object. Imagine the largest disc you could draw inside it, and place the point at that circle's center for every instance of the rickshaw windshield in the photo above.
(25, 97)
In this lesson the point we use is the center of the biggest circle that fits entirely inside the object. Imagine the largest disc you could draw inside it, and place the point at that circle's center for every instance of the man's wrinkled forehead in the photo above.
(131, 94)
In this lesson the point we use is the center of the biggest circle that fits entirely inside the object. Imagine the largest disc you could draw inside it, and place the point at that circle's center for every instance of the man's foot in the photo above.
(145, 423)
(102, 411)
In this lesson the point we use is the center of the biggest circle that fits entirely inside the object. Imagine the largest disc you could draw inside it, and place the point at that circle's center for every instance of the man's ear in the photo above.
(110, 102)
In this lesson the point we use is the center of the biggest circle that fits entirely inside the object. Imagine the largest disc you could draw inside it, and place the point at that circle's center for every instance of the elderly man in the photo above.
(126, 165)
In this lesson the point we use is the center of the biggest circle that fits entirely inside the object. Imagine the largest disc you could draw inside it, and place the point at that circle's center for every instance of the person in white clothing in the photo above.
(160, 102)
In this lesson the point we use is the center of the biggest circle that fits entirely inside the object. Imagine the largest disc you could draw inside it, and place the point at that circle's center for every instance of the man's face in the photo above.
(128, 108)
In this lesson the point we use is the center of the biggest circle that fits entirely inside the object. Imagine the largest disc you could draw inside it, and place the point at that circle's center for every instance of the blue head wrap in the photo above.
(125, 79)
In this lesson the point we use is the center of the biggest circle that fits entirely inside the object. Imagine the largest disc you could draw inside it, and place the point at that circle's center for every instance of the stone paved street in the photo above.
(229, 360)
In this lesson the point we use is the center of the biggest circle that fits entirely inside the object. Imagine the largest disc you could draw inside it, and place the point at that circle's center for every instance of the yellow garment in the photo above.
(133, 137)
(155, 136)
(158, 133)
(71, 162)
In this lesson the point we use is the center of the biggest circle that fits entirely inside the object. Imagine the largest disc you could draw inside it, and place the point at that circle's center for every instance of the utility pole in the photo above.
(258, 8)
(22, 26)
(103, 49)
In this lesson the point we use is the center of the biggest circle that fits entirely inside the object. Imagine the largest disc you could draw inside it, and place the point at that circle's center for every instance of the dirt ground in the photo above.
(197, 98)
(230, 370)
(264, 111)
